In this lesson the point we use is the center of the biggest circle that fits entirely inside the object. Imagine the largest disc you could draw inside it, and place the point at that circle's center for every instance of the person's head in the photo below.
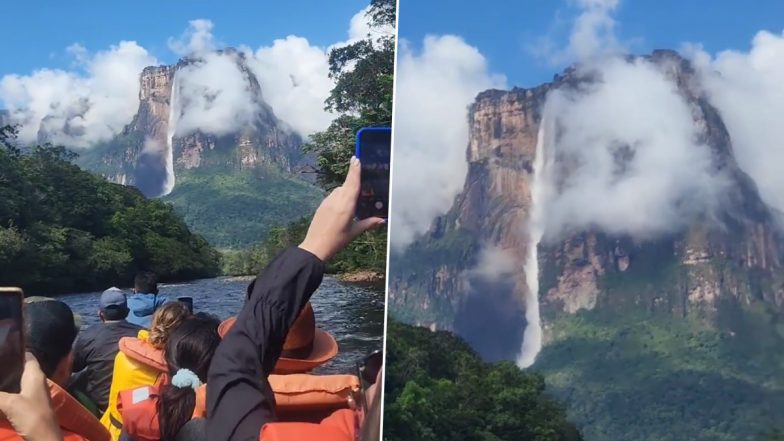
(208, 317)
(50, 332)
(166, 319)
(188, 354)
(145, 283)
(114, 305)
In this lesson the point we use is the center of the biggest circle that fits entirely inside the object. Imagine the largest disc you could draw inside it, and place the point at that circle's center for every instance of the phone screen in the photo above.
(373, 150)
(11, 339)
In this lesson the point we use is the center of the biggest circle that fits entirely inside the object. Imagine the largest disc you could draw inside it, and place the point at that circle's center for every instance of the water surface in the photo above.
(353, 315)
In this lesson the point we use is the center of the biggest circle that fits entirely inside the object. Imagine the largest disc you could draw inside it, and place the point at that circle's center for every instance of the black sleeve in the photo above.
(82, 349)
(239, 398)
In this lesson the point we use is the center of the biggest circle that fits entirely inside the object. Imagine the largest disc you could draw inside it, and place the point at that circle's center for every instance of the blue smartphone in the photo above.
(374, 146)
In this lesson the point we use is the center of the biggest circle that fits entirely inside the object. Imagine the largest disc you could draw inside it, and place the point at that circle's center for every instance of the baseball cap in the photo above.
(113, 297)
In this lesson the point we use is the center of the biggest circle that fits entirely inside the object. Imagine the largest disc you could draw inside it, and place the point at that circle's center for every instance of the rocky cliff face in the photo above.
(706, 271)
(138, 156)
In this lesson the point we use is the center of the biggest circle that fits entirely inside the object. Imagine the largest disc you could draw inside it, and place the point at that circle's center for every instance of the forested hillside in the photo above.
(437, 388)
(63, 229)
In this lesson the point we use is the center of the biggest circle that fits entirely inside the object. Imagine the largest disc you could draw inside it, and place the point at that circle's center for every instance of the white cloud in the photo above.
(295, 81)
(494, 263)
(432, 93)
(94, 100)
(196, 40)
(215, 96)
(627, 159)
(360, 28)
(78, 108)
(592, 35)
(748, 90)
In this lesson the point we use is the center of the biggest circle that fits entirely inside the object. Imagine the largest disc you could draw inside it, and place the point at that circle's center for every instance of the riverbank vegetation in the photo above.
(437, 388)
(366, 254)
(63, 229)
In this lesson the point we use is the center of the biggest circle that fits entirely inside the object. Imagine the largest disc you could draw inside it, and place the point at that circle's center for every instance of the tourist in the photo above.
(158, 413)
(240, 401)
(50, 332)
(140, 361)
(145, 299)
(29, 414)
(97, 346)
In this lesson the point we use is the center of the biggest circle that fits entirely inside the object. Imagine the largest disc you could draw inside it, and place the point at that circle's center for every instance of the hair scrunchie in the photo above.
(186, 378)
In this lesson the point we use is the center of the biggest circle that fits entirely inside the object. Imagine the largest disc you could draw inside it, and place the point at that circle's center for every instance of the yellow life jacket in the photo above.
(137, 364)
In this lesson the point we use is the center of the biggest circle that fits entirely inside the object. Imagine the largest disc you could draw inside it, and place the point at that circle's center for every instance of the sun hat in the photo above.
(306, 347)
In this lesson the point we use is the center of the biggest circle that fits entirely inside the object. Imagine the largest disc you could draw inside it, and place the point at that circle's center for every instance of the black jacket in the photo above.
(239, 398)
(94, 352)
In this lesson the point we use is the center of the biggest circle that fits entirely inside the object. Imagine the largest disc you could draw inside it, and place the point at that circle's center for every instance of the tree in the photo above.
(437, 388)
(362, 97)
(63, 229)
(363, 74)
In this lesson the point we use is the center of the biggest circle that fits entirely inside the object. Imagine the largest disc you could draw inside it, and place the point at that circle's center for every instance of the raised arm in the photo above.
(239, 398)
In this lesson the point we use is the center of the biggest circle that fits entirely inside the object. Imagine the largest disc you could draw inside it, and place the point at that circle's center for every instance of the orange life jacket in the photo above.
(76, 422)
(341, 425)
(7, 433)
(137, 364)
(311, 398)
(140, 350)
(300, 399)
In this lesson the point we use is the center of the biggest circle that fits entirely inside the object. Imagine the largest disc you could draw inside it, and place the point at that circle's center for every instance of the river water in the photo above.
(353, 315)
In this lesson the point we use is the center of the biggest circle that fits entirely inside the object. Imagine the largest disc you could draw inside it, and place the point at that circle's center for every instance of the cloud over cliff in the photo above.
(79, 107)
(748, 90)
(95, 99)
(636, 164)
(433, 90)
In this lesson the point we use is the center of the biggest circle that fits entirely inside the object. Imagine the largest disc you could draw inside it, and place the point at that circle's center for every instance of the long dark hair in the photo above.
(191, 346)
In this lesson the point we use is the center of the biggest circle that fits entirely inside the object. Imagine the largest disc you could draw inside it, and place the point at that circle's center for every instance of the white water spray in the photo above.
(532, 337)
(174, 116)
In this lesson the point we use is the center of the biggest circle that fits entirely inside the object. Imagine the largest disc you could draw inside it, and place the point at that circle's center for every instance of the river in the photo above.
(353, 315)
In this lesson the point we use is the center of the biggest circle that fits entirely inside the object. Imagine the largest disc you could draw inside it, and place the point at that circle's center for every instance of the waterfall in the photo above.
(532, 337)
(174, 116)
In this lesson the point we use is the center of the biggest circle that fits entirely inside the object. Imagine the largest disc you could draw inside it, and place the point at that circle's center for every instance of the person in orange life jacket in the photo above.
(30, 412)
(140, 361)
(153, 414)
(97, 346)
(50, 331)
(145, 299)
(240, 401)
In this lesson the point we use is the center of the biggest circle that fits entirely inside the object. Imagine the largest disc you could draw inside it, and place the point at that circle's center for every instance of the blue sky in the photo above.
(36, 33)
(504, 30)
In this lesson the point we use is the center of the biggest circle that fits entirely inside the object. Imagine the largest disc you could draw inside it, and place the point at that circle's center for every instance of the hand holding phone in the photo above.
(334, 225)
(374, 146)
(30, 411)
(12, 350)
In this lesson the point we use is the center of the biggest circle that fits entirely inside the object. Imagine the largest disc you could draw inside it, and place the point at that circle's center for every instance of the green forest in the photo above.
(233, 210)
(362, 97)
(63, 229)
(437, 388)
(641, 376)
